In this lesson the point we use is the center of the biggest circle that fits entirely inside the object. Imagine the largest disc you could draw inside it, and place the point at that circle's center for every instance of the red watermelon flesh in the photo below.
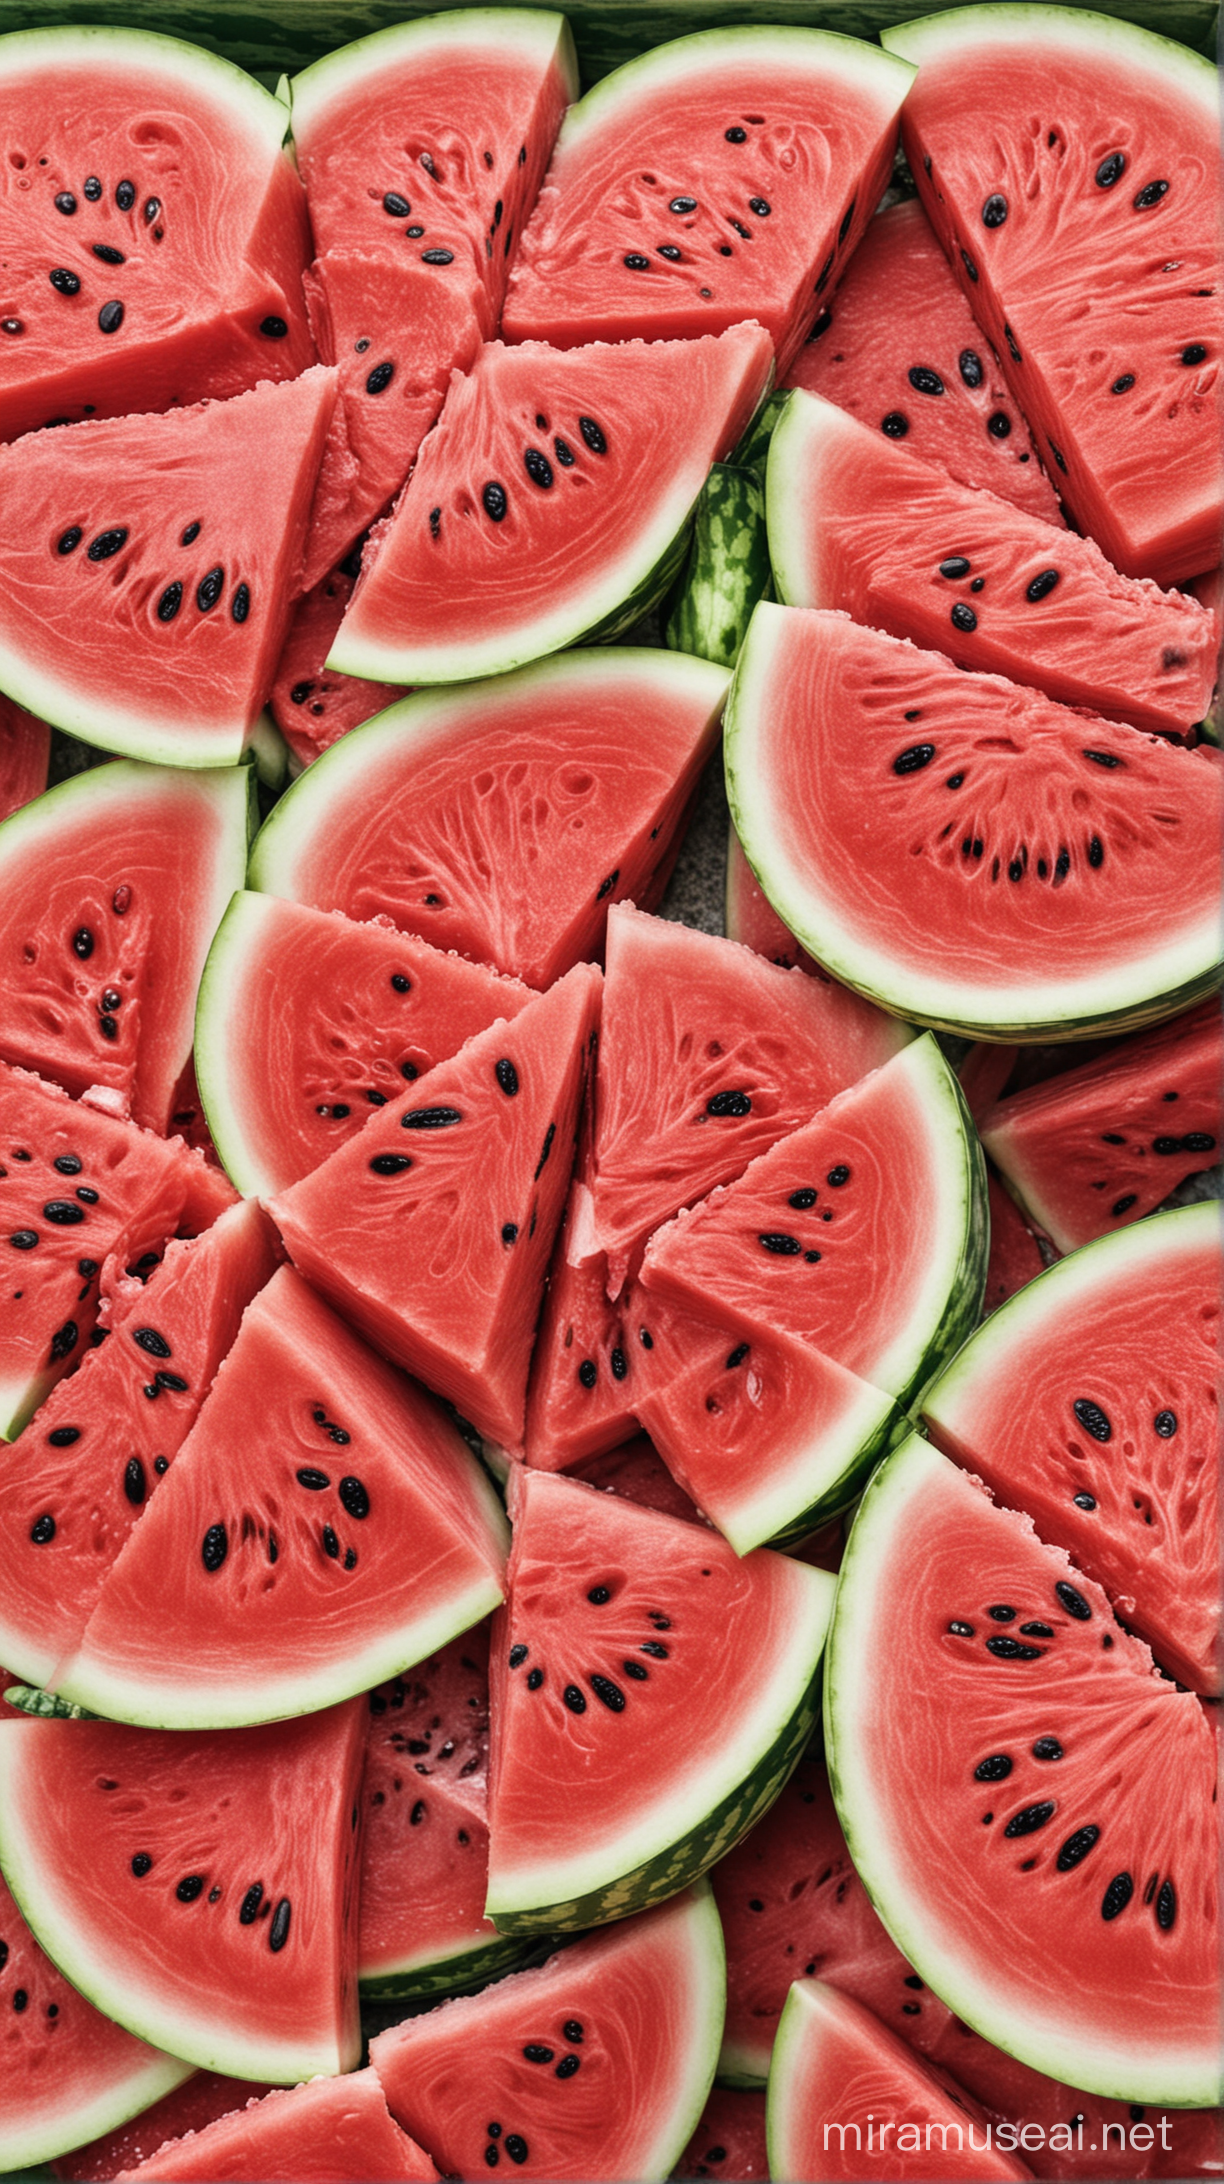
(113, 886)
(348, 1534)
(311, 706)
(729, 2142)
(899, 347)
(201, 2098)
(150, 187)
(584, 1377)
(707, 1057)
(25, 751)
(515, 538)
(149, 568)
(138, 1189)
(751, 919)
(638, 1473)
(1097, 180)
(1101, 1145)
(286, 1086)
(432, 1228)
(984, 1073)
(859, 524)
(501, 819)
(330, 2131)
(80, 1475)
(136, 1853)
(705, 184)
(1015, 1254)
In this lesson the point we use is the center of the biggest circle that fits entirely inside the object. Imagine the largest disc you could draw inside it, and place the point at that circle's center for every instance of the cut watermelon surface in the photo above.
(1015, 1253)
(729, 2140)
(199, 2100)
(312, 707)
(337, 2129)
(25, 748)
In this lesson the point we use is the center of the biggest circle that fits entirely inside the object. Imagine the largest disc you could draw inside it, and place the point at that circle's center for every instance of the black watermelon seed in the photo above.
(142, 1864)
(1150, 195)
(801, 1200)
(574, 1699)
(667, 250)
(63, 1436)
(955, 565)
(209, 590)
(1073, 1601)
(65, 202)
(1084, 1501)
(735, 136)
(1108, 759)
(545, 1150)
(961, 1630)
(495, 502)
(70, 539)
(24, 1239)
(151, 208)
(153, 1343)
(315, 1481)
(896, 425)
(64, 1341)
(1092, 1418)
(1117, 1895)
(572, 2031)
(914, 759)
(1194, 354)
(969, 265)
(1198, 1141)
(606, 885)
(737, 1355)
(110, 317)
(1002, 1614)
(1010, 1649)
(1166, 1906)
(107, 544)
(215, 1547)
(1165, 1423)
(535, 1679)
(67, 283)
(507, 1077)
(1096, 853)
(538, 468)
(354, 1497)
(1042, 585)
(1036, 1630)
(278, 1931)
(380, 378)
(636, 262)
(1124, 384)
(108, 254)
(12, 326)
(93, 188)
(838, 1175)
(161, 1464)
(135, 1484)
(645, 1338)
(62, 1213)
(588, 1372)
(1111, 170)
(971, 368)
(611, 1694)
(1047, 1748)
(430, 1118)
(822, 325)
(1030, 1818)
(509, 1234)
(240, 604)
(782, 1245)
(924, 380)
(729, 1103)
(173, 1381)
(995, 1769)
(635, 1670)
(248, 1910)
(170, 602)
(190, 1887)
(398, 207)
(652, 1646)
(389, 1163)
(437, 257)
(42, 1531)
(516, 2147)
(761, 206)
(593, 435)
(518, 1655)
(568, 2066)
(683, 204)
(963, 617)
(492, 2155)
(108, 1027)
(564, 453)
(1123, 1205)
(978, 584)
(331, 1545)
(812, 1257)
(998, 424)
(618, 1362)
(536, 2053)
(1058, 455)
(1012, 350)
(994, 211)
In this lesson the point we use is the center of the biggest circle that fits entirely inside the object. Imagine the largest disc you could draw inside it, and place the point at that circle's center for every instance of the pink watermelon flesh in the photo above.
(175, 1872)
(859, 524)
(516, 537)
(148, 616)
(349, 1539)
(431, 1229)
(1112, 1449)
(618, 2012)
(201, 2098)
(331, 2131)
(289, 1084)
(899, 347)
(638, 1473)
(983, 1074)
(1015, 1254)
(312, 707)
(839, 2066)
(1096, 1148)
(112, 891)
(501, 821)
(580, 1402)
(711, 185)
(80, 1476)
(25, 751)
(200, 207)
(1122, 395)
(752, 920)
(729, 2142)
(707, 1057)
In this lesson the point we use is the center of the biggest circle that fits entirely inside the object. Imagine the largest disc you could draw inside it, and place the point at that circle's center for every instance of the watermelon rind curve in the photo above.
(756, 1759)
(433, 1980)
(69, 48)
(62, 2131)
(364, 61)
(959, 31)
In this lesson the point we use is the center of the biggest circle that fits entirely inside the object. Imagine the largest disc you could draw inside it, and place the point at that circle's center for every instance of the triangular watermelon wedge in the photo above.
(431, 1230)
(284, 2132)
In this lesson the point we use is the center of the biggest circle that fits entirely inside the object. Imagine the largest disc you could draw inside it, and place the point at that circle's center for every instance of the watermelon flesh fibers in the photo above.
(311, 707)
(333, 2130)
(201, 2098)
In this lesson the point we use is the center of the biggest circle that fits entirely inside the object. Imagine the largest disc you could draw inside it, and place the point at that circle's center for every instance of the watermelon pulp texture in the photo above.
(729, 2140)
(348, 2116)
(312, 707)
(200, 2099)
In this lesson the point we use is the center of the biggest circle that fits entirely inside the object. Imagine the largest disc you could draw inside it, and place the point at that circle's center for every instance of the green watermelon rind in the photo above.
(753, 450)
(72, 2125)
(958, 32)
(461, 1971)
(366, 59)
(727, 569)
(698, 1845)
(852, 1476)
(66, 47)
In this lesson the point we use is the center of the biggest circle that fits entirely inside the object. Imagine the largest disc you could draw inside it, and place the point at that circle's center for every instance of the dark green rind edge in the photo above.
(686, 1860)
(28, 1699)
(461, 1974)
(753, 450)
(644, 597)
(892, 1430)
(727, 569)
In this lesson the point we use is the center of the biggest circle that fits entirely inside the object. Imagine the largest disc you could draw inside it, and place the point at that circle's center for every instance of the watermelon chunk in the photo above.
(632, 2019)
(148, 616)
(25, 752)
(1015, 1254)
(286, 2132)
(715, 178)
(750, 918)
(579, 1401)
(312, 708)
(1097, 180)
(199, 2100)
(899, 347)
(729, 2141)
(857, 523)
(638, 1473)
(514, 537)
(1071, 887)
(162, 1872)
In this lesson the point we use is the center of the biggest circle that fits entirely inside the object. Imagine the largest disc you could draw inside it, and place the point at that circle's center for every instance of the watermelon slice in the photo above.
(1015, 1255)
(284, 2133)
(858, 523)
(707, 1057)
(620, 2032)
(1066, 1814)
(838, 2070)
(608, 1789)
(729, 2141)
(330, 1571)
(899, 347)
(148, 615)
(77, 1479)
(1116, 1349)
(199, 2100)
(502, 820)
(1105, 1143)
(637, 1473)
(716, 178)
(516, 537)
(164, 214)
(283, 1088)
(311, 707)
(727, 569)
(113, 885)
(162, 1872)
(750, 918)
(1071, 887)
(25, 751)
(579, 1399)
(1097, 179)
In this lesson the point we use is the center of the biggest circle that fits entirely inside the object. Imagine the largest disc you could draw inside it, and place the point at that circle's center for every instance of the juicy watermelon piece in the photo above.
(25, 752)
(164, 1903)
(835, 2066)
(859, 524)
(78, 1478)
(291, 1587)
(503, 819)
(1069, 1744)
(579, 1402)
(632, 2019)
(1105, 1143)
(113, 885)
(201, 2098)
(138, 1189)
(1098, 179)
(166, 164)
(727, 569)
(341, 2125)
(439, 1254)
(148, 615)
(888, 1176)
(729, 2141)
(717, 178)
(1116, 1349)
(495, 554)
(750, 918)
(1015, 1254)
(284, 1086)
(697, 1031)
(656, 1617)
(1071, 887)
(907, 356)
(638, 1473)
(311, 707)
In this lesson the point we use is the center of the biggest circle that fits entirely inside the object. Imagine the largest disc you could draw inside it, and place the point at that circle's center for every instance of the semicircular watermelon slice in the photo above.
(967, 852)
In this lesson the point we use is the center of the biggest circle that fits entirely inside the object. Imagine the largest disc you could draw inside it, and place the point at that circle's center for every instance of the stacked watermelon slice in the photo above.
(537, 1405)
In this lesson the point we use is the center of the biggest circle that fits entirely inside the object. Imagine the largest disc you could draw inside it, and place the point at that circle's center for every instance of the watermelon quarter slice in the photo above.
(286, 2131)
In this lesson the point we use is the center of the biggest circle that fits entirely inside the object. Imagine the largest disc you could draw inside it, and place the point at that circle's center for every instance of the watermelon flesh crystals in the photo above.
(343, 2120)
